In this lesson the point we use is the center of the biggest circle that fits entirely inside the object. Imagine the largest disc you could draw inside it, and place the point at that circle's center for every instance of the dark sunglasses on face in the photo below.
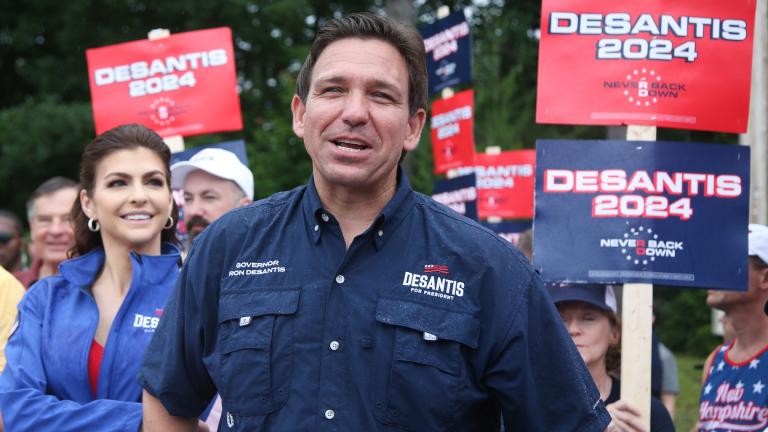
(6, 237)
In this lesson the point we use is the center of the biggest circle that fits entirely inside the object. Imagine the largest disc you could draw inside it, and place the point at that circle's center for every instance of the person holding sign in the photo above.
(75, 349)
(589, 313)
(354, 303)
(733, 394)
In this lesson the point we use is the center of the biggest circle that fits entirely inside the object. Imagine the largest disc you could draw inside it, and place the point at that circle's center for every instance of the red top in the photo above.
(94, 364)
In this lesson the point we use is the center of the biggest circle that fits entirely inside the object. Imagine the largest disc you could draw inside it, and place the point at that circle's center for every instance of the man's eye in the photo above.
(332, 90)
(381, 95)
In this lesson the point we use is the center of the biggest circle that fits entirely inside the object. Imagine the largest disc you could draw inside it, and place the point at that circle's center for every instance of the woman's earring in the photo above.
(93, 225)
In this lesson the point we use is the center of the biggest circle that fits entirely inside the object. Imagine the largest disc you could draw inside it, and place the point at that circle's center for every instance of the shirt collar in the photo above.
(388, 219)
(82, 270)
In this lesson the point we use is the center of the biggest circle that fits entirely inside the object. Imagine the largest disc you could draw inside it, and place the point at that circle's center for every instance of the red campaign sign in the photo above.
(684, 64)
(452, 130)
(181, 85)
(505, 184)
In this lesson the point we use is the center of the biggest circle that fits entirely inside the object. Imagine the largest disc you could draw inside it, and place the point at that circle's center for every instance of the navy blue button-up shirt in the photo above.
(428, 322)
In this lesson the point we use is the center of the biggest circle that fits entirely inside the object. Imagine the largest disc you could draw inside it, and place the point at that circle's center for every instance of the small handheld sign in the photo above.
(183, 84)
(505, 184)
(448, 45)
(683, 64)
(642, 212)
(452, 131)
(458, 193)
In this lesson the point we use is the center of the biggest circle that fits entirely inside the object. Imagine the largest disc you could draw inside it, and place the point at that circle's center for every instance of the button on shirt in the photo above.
(428, 322)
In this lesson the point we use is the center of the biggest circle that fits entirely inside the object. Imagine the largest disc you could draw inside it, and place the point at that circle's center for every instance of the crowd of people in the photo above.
(318, 308)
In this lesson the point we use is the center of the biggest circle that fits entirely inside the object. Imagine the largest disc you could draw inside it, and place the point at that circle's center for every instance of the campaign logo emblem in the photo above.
(645, 87)
(146, 322)
(163, 111)
(436, 268)
(433, 285)
(446, 69)
(641, 246)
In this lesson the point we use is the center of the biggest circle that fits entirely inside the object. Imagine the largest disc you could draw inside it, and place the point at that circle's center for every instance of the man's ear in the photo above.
(415, 125)
(298, 109)
(763, 278)
(242, 202)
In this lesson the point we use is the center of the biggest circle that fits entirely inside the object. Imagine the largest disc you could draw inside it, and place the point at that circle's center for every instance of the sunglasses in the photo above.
(6, 237)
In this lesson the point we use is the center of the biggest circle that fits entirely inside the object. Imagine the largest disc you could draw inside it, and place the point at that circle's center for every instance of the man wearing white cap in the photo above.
(214, 182)
(734, 394)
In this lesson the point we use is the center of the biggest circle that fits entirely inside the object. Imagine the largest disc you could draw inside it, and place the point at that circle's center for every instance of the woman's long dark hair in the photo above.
(126, 137)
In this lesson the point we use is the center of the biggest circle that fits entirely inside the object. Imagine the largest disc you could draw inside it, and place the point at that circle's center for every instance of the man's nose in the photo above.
(192, 208)
(59, 225)
(355, 109)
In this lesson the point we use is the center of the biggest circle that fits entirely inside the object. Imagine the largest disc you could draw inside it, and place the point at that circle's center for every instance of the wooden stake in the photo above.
(175, 142)
(636, 321)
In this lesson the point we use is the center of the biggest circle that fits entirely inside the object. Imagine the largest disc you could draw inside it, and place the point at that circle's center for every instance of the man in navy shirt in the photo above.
(354, 303)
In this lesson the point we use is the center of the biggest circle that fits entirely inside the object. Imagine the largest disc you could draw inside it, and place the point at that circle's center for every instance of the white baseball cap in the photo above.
(217, 162)
(758, 241)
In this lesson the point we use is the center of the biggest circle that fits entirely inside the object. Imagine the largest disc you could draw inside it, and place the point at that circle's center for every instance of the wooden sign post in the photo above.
(174, 142)
(636, 321)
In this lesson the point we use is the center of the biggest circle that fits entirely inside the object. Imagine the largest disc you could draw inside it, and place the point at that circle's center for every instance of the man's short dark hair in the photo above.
(6, 214)
(53, 184)
(758, 262)
(366, 25)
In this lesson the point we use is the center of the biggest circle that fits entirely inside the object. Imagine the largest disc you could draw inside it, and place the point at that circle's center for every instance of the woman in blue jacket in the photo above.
(75, 351)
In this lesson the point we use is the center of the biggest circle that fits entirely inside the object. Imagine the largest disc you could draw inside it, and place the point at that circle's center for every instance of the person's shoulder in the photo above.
(11, 290)
(41, 292)
(264, 208)
(708, 362)
(467, 232)
(232, 227)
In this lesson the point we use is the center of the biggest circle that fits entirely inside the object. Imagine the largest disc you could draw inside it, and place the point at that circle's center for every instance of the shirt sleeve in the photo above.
(669, 381)
(538, 375)
(174, 370)
(23, 399)
(11, 292)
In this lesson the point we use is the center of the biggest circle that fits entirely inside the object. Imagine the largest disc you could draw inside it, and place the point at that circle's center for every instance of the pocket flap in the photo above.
(451, 325)
(235, 305)
(256, 336)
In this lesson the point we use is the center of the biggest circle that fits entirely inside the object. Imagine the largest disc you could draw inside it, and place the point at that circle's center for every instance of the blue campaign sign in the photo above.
(458, 193)
(650, 212)
(449, 52)
(237, 147)
(509, 230)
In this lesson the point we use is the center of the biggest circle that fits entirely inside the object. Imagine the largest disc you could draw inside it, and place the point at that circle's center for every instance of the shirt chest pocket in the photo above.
(256, 343)
(417, 384)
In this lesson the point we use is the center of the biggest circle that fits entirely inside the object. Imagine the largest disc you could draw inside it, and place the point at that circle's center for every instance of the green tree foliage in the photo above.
(683, 321)
(45, 116)
(40, 139)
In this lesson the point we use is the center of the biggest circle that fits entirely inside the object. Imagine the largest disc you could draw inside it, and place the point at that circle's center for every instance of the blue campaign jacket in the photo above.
(45, 385)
